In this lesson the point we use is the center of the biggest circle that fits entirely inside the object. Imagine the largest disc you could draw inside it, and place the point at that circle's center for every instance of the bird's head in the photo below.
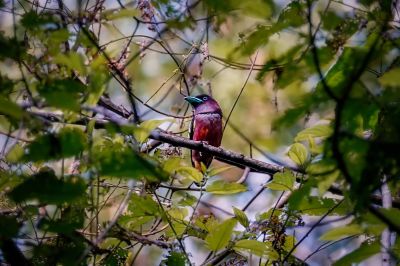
(204, 104)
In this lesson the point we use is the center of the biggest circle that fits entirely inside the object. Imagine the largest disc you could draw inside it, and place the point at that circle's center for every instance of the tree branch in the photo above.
(122, 233)
(218, 152)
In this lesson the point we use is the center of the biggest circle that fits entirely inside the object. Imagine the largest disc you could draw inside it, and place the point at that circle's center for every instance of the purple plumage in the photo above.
(206, 126)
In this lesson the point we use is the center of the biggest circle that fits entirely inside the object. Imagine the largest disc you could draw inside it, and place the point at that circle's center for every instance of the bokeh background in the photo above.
(211, 53)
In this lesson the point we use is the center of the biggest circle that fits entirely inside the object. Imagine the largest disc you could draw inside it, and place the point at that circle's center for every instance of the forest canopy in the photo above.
(96, 137)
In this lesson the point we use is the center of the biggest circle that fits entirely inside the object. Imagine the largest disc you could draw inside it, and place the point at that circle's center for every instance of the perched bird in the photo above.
(206, 126)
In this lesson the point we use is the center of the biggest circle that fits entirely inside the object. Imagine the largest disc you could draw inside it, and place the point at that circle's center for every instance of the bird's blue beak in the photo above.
(193, 100)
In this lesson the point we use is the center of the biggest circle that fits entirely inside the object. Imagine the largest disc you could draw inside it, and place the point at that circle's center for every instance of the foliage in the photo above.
(86, 87)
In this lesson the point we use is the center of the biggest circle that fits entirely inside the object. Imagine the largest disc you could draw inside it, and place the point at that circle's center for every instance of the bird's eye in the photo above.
(205, 98)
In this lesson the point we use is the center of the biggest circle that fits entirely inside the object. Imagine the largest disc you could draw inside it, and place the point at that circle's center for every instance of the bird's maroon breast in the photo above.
(208, 127)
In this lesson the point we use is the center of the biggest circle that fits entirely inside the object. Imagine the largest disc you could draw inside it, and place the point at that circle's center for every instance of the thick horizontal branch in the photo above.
(221, 154)
(121, 233)
(218, 152)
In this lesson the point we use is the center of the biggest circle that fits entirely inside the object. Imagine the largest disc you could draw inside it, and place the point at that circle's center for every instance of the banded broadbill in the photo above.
(206, 126)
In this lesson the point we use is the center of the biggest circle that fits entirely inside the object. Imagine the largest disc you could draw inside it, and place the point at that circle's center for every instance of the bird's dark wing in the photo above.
(191, 132)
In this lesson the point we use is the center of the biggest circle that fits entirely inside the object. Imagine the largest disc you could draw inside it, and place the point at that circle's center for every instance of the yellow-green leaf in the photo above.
(222, 187)
(252, 246)
(219, 236)
(190, 172)
(365, 251)
(391, 78)
(15, 153)
(72, 60)
(282, 181)
(241, 217)
(217, 171)
(298, 153)
(326, 181)
(341, 232)
(289, 243)
(11, 109)
(318, 131)
(143, 131)
(172, 164)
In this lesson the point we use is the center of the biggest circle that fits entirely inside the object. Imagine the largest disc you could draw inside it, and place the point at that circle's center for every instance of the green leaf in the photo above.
(322, 167)
(280, 60)
(174, 259)
(222, 187)
(337, 233)
(319, 206)
(178, 213)
(63, 94)
(298, 196)
(190, 172)
(11, 48)
(32, 20)
(391, 78)
(187, 200)
(98, 80)
(252, 246)
(117, 257)
(325, 181)
(68, 142)
(73, 141)
(141, 210)
(259, 37)
(301, 201)
(47, 188)
(391, 214)
(330, 20)
(265, 216)
(291, 116)
(73, 61)
(8, 226)
(298, 153)
(341, 74)
(371, 224)
(118, 160)
(256, 8)
(291, 16)
(318, 131)
(143, 131)
(177, 216)
(134, 222)
(282, 181)
(217, 171)
(365, 251)
(72, 219)
(59, 36)
(290, 241)
(241, 217)
(143, 206)
(11, 109)
(219, 236)
(15, 153)
(171, 164)
(206, 223)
